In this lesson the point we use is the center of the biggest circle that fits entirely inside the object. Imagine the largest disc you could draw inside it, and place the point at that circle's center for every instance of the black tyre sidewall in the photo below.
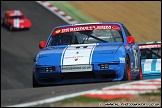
(35, 84)
(126, 69)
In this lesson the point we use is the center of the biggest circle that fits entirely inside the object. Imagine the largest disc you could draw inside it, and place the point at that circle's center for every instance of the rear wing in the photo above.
(145, 45)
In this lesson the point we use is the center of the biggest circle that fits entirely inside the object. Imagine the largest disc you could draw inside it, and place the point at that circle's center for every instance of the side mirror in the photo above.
(130, 39)
(42, 44)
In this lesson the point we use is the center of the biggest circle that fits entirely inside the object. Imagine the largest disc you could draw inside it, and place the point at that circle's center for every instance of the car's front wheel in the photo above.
(35, 83)
(11, 27)
(127, 73)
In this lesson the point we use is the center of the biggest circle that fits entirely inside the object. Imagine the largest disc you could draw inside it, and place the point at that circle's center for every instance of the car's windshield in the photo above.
(86, 37)
(151, 53)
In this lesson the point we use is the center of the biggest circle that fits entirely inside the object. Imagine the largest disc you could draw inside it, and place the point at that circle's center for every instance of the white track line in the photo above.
(50, 100)
(57, 12)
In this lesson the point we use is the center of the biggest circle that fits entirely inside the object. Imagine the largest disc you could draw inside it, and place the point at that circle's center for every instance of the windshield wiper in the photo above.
(98, 38)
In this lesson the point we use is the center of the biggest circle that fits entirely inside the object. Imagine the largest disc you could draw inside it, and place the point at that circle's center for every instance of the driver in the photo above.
(66, 39)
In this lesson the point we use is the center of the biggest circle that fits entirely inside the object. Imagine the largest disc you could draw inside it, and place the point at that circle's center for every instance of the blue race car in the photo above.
(76, 53)
(151, 59)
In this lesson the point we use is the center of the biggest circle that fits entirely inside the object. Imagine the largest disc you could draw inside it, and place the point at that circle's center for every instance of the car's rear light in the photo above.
(104, 66)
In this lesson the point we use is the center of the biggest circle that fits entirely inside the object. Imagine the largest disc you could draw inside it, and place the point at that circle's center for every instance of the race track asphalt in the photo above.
(18, 49)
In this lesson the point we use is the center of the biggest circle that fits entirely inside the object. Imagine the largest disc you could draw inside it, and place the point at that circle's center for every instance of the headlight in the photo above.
(49, 69)
(45, 69)
(104, 66)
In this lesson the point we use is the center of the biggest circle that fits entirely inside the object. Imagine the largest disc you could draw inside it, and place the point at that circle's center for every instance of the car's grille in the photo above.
(77, 75)
(47, 80)
(109, 76)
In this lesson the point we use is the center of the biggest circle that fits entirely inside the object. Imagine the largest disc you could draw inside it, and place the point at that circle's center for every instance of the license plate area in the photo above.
(76, 68)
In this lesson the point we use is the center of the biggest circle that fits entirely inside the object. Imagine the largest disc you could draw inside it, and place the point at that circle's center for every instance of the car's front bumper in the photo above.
(114, 73)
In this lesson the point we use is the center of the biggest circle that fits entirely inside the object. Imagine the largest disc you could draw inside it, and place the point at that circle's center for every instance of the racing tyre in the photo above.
(139, 77)
(127, 74)
(35, 84)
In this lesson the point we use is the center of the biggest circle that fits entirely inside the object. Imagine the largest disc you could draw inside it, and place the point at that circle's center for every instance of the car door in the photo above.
(134, 53)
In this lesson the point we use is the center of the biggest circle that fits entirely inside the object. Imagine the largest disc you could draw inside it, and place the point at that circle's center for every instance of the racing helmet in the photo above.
(67, 38)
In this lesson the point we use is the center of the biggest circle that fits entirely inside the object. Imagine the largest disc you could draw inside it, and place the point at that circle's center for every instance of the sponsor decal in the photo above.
(76, 68)
(127, 47)
(150, 46)
(76, 59)
(88, 27)
(122, 60)
(57, 31)
(67, 57)
(131, 64)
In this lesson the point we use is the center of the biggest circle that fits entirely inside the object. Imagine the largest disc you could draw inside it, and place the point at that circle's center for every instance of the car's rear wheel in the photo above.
(139, 77)
(35, 84)
(127, 74)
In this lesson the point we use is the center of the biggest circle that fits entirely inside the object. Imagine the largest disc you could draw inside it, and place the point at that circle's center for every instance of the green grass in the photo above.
(152, 93)
(71, 11)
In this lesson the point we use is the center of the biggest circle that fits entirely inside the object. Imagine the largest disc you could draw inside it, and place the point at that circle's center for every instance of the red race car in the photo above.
(15, 19)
